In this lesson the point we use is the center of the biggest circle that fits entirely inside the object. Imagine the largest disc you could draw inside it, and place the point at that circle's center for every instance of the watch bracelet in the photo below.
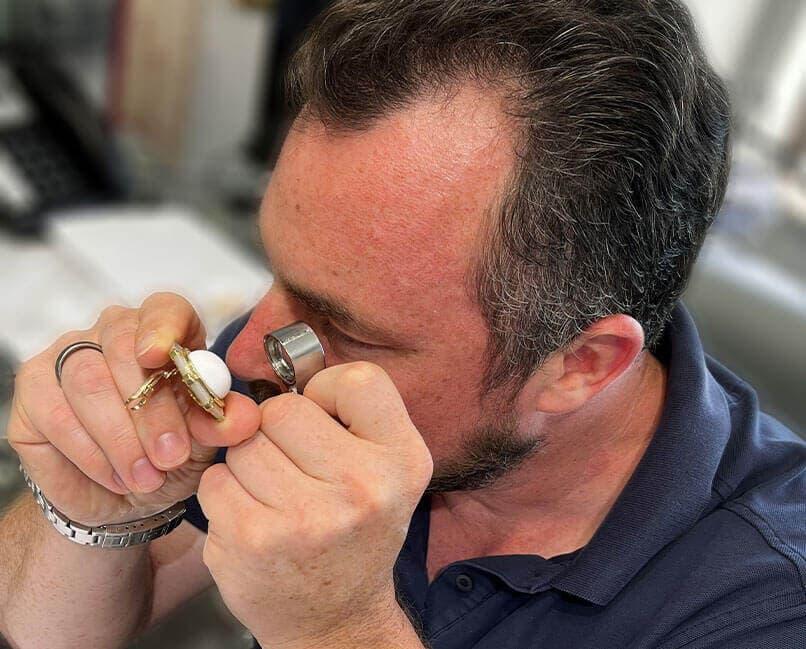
(111, 536)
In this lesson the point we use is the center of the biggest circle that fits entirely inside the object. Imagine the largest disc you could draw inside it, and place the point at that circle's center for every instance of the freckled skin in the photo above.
(387, 220)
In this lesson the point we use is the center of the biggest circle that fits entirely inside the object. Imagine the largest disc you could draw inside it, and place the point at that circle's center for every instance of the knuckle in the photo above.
(341, 523)
(379, 499)
(179, 301)
(212, 553)
(47, 359)
(60, 415)
(93, 461)
(15, 435)
(421, 473)
(276, 409)
(165, 296)
(256, 537)
(110, 314)
(360, 373)
(362, 510)
(90, 377)
(415, 469)
(30, 372)
(160, 417)
(65, 339)
(119, 341)
(20, 429)
(244, 450)
(165, 304)
(125, 321)
(20, 424)
(122, 439)
(210, 479)
(419, 453)
(367, 499)
(207, 551)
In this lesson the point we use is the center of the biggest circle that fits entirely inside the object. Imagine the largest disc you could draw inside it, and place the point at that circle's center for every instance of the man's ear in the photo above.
(596, 358)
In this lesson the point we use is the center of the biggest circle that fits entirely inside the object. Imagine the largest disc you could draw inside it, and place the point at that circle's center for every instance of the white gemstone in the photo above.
(213, 371)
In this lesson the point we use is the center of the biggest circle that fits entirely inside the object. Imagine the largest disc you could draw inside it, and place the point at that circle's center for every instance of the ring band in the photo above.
(81, 344)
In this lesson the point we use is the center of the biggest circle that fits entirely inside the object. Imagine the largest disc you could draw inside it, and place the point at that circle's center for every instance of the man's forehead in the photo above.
(403, 200)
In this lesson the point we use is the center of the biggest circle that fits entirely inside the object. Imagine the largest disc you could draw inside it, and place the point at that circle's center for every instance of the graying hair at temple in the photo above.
(623, 138)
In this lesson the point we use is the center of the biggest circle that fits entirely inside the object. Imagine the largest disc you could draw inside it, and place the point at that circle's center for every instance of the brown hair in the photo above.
(622, 159)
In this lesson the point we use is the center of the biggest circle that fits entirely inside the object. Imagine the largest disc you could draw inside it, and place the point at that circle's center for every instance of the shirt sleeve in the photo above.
(194, 514)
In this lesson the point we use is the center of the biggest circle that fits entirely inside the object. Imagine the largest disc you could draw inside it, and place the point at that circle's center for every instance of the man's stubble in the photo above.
(486, 454)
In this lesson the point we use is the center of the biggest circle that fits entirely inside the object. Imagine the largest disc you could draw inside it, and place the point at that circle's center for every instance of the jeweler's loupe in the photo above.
(295, 355)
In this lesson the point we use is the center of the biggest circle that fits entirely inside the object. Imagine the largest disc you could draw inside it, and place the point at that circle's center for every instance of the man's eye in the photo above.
(343, 339)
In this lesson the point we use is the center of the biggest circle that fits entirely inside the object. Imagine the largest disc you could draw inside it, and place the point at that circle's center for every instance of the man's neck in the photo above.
(554, 502)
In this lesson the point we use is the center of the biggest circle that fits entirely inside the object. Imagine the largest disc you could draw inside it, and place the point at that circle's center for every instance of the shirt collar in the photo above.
(670, 489)
(672, 486)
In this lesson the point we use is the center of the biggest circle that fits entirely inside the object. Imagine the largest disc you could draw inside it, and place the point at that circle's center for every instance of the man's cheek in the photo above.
(441, 407)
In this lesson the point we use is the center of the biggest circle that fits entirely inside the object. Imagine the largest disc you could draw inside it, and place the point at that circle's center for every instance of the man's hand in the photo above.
(96, 460)
(308, 516)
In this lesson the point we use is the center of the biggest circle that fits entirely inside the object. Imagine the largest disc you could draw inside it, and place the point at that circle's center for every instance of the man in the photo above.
(487, 210)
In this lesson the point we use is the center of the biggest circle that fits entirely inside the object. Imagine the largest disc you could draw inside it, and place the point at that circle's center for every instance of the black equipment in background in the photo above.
(291, 20)
(55, 150)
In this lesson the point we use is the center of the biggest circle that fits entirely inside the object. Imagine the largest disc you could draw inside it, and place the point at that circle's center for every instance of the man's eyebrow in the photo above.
(335, 310)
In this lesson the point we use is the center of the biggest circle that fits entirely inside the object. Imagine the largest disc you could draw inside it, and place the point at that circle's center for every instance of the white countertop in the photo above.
(91, 259)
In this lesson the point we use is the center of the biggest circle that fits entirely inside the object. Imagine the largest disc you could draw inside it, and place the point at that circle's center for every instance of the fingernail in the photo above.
(146, 343)
(146, 476)
(119, 481)
(170, 448)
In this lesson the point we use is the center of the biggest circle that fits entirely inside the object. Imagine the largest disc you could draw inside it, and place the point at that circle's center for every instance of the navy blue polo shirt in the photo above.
(704, 548)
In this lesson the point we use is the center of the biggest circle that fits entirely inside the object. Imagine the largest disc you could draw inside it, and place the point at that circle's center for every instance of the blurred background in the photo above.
(143, 125)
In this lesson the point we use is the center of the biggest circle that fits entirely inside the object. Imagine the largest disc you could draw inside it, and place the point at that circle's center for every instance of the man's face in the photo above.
(380, 227)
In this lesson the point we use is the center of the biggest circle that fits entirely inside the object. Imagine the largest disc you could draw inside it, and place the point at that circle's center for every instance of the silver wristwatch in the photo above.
(118, 535)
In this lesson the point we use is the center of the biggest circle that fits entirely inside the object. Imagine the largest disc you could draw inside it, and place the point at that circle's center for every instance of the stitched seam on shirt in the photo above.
(730, 398)
(732, 389)
(733, 496)
(731, 615)
(441, 630)
(725, 485)
(751, 513)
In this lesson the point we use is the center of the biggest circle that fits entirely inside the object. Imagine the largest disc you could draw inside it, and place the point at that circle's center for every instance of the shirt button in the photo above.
(464, 583)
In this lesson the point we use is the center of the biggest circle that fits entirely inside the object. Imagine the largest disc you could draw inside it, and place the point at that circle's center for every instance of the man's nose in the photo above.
(246, 357)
